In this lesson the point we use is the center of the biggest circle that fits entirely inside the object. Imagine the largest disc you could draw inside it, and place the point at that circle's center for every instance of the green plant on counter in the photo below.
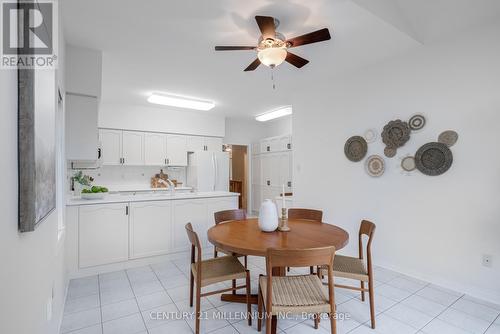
(84, 180)
(95, 190)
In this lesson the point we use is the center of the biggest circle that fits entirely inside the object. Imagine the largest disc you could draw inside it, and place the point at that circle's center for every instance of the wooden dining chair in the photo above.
(315, 216)
(300, 294)
(212, 271)
(354, 268)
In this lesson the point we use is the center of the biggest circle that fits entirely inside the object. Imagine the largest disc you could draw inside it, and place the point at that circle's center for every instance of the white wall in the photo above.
(32, 264)
(435, 228)
(142, 118)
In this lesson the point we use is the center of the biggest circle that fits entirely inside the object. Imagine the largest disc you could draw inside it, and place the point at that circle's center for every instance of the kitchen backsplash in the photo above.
(129, 177)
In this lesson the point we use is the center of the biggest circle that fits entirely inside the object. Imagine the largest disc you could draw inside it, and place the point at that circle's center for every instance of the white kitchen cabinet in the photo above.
(192, 211)
(213, 144)
(285, 143)
(103, 234)
(255, 148)
(265, 145)
(82, 136)
(133, 148)
(176, 150)
(111, 146)
(150, 228)
(83, 71)
(155, 149)
(284, 161)
(195, 143)
(256, 197)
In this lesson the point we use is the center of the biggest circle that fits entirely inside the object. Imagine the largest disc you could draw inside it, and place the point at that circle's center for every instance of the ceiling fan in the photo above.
(272, 47)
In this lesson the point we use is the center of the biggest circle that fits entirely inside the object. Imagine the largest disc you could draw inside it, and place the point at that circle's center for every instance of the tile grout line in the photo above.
(164, 288)
(494, 320)
(446, 309)
(135, 298)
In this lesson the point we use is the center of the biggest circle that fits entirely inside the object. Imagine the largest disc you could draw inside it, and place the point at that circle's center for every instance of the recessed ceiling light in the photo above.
(276, 113)
(180, 101)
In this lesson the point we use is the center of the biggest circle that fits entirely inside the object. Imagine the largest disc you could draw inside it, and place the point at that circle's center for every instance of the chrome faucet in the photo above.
(170, 184)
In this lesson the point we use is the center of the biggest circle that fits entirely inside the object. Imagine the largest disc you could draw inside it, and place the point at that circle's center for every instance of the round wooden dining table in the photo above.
(244, 237)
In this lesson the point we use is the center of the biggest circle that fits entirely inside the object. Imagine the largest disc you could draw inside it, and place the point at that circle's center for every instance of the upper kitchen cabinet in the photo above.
(111, 146)
(276, 144)
(83, 71)
(133, 148)
(155, 149)
(195, 143)
(82, 138)
(122, 147)
(213, 144)
(177, 150)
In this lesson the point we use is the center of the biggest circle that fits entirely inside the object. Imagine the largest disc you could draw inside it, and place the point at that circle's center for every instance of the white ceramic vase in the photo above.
(268, 216)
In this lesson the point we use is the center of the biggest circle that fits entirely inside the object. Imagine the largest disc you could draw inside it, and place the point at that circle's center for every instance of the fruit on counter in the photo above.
(95, 190)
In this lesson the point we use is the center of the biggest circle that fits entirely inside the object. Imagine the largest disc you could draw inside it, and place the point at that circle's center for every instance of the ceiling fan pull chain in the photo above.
(272, 77)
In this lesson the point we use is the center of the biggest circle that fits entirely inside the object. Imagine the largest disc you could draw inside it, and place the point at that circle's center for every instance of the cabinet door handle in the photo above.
(123, 160)
(99, 153)
(126, 210)
(165, 161)
(268, 183)
(268, 148)
(168, 161)
(289, 146)
(289, 183)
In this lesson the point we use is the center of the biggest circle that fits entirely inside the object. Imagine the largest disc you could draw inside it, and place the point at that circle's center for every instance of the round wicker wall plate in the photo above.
(449, 138)
(375, 165)
(370, 135)
(396, 133)
(416, 122)
(433, 159)
(408, 164)
(390, 152)
(355, 148)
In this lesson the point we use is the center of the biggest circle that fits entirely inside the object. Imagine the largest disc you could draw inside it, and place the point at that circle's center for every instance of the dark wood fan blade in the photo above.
(266, 26)
(233, 48)
(253, 65)
(312, 37)
(295, 60)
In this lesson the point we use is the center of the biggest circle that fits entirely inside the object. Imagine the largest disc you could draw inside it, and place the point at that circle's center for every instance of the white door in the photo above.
(155, 149)
(111, 146)
(192, 211)
(150, 228)
(103, 234)
(274, 169)
(195, 143)
(176, 150)
(133, 148)
(284, 166)
(213, 144)
(256, 197)
(266, 170)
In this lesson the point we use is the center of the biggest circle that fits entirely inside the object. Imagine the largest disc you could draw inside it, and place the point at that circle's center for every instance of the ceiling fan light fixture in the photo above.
(272, 56)
(180, 101)
(273, 114)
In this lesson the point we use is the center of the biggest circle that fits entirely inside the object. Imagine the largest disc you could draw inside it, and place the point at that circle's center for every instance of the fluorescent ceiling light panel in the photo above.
(280, 112)
(180, 101)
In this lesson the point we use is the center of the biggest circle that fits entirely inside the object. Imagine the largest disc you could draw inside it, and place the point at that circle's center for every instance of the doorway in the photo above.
(238, 173)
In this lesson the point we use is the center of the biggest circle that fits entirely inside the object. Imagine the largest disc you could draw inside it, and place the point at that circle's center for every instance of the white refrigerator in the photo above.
(208, 171)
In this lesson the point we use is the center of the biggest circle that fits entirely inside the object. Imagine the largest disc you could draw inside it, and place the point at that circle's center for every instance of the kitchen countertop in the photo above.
(146, 197)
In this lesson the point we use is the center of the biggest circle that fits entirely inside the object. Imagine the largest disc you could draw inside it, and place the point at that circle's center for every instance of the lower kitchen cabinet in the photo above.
(150, 228)
(219, 204)
(192, 211)
(102, 234)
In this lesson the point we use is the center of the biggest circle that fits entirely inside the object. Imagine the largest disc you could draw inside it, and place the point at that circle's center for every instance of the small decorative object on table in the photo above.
(268, 216)
(283, 226)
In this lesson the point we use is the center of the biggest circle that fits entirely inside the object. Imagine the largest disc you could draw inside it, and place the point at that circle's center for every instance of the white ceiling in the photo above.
(158, 45)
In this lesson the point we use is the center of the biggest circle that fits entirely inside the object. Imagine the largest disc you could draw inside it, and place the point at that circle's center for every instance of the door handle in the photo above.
(126, 210)
(268, 182)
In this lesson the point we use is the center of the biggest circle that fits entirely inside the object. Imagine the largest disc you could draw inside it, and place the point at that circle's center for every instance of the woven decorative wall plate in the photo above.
(416, 122)
(433, 159)
(390, 152)
(408, 164)
(370, 135)
(375, 165)
(355, 148)
(396, 134)
(449, 138)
